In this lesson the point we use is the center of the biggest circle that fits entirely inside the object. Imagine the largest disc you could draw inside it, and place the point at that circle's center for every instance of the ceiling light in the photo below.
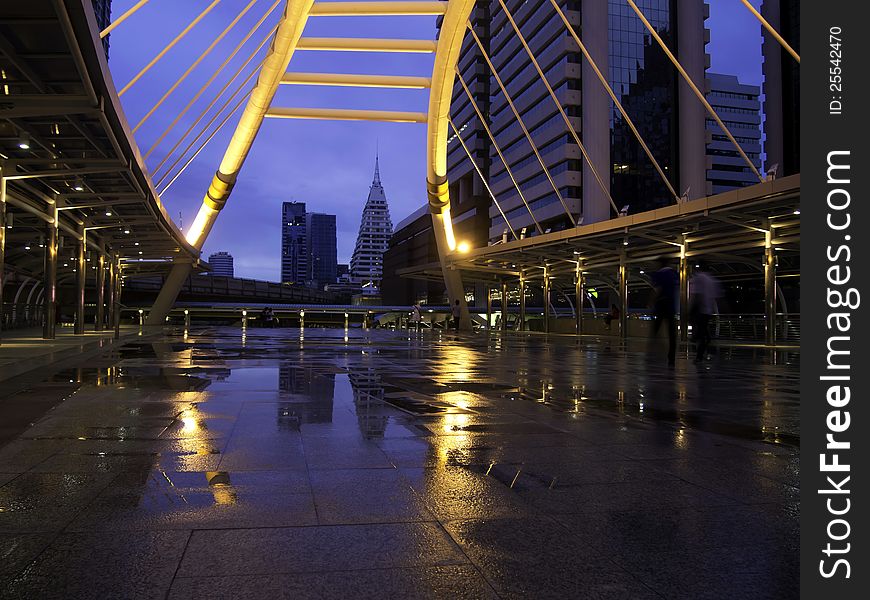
(108, 213)
(127, 231)
(797, 212)
(24, 141)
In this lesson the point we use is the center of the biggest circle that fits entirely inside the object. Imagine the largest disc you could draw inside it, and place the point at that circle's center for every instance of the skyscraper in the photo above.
(294, 255)
(375, 229)
(739, 108)
(221, 263)
(103, 11)
(308, 246)
(662, 106)
(321, 249)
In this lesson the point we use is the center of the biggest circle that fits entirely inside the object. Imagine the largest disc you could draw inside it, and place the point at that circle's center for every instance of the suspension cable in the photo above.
(217, 72)
(615, 100)
(210, 122)
(169, 46)
(122, 18)
(772, 31)
(195, 64)
(522, 125)
(207, 140)
(497, 149)
(543, 77)
(482, 178)
(692, 85)
(214, 100)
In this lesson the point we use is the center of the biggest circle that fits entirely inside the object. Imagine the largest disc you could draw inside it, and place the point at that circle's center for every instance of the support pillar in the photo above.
(579, 295)
(504, 293)
(522, 303)
(99, 319)
(2, 242)
(112, 274)
(488, 306)
(596, 106)
(684, 293)
(546, 300)
(622, 279)
(49, 313)
(117, 319)
(690, 46)
(81, 277)
(769, 290)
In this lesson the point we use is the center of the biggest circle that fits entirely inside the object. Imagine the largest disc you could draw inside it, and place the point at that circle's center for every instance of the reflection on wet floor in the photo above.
(500, 466)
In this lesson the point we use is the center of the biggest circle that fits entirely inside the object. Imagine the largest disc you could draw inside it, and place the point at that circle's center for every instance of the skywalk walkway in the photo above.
(327, 463)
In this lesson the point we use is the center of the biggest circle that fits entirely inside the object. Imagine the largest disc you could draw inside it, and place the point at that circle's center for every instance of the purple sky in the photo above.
(327, 164)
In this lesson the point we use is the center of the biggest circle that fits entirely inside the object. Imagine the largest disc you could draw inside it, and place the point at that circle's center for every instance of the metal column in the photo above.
(579, 295)
(684, 293)
(504, 294)
(622, 279)
(112, 275)
(522, 303)
(2, 241)
(99, 320)
(769, 290)
(49, 313)
(81, 277)
(546, 300)
(117, 294)
(488, 289)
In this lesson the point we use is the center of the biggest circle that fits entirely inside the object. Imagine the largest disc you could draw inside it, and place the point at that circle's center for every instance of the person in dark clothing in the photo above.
(612, 316)
(456, 312)
(705, 290)
(666, 282)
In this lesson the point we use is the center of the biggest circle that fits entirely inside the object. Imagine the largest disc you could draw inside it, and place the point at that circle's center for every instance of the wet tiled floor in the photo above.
(379, 464)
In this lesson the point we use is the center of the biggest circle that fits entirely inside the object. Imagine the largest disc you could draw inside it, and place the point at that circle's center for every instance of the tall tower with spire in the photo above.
(375, 230)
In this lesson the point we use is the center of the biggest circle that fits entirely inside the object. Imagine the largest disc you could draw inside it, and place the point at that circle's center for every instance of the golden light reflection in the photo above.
(190, 425)
(458, 363)
(221, 488)
(455, 422)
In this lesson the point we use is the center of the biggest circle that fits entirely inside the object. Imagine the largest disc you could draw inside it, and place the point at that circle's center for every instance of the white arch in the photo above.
(447, 53)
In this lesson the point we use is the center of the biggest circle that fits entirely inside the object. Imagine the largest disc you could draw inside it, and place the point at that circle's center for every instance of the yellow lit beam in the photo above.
(391, 8)
(349, 80)
(346, 114)
(367, 45)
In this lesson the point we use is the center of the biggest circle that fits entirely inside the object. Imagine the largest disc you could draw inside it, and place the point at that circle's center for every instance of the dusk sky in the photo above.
(327, 164)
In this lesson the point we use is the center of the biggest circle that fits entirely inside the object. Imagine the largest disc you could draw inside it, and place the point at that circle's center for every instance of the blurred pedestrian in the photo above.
(666, 284)
(613, 315)
(416, 317)
(705, 291)
(456, 312)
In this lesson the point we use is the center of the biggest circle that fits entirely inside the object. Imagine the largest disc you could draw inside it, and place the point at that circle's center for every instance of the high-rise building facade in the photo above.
(321, 249)
(375, 229)
(739, 107)
(308, 246)
(782, 107)
(294, 256)
(661, 105)
(221, 263)
(103, 11)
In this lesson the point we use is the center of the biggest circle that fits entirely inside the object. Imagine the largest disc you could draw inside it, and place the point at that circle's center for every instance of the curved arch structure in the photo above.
(453, 29)
(274, 66)
(449, 45)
